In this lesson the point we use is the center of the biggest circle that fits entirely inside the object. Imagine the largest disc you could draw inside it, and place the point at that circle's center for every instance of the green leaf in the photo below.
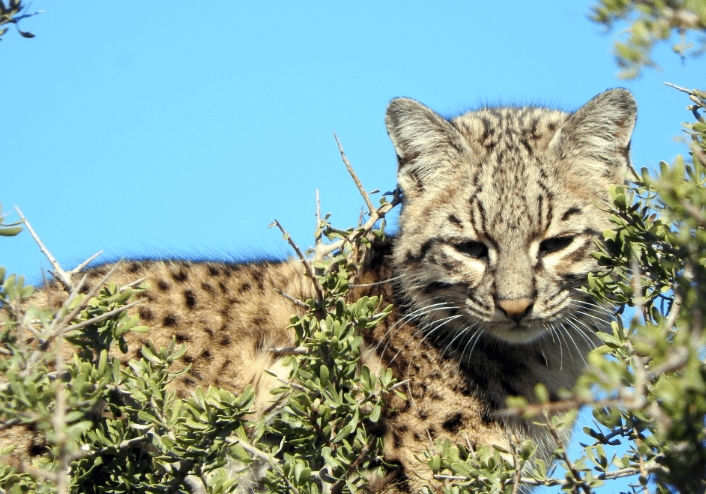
(75, 430)
(375, 415)
(540, 391)
(324, 374)
(9, 231)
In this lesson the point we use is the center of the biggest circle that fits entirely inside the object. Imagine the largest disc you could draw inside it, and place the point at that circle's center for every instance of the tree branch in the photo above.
(309, 269)
(363, 193)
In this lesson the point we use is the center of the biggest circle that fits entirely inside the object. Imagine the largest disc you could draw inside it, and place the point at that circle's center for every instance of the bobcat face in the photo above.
(500, 216)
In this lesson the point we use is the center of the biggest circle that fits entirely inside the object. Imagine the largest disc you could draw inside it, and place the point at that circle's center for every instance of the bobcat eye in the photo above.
(476, 250)
(555, 244)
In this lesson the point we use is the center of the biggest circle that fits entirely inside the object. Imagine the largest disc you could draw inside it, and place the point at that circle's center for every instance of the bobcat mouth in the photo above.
(516, 332)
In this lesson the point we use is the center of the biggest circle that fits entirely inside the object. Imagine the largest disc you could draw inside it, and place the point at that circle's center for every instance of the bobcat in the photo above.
(498, 223)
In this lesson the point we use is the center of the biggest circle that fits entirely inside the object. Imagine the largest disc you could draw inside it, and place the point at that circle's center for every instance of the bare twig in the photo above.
(319, 234)
(132, 285)
(300, 350)
(569, 464)
(693, 273)
(105, 315)
(374, 217)
(336, 487)
(698, 153)
(180, 473)
(309, 269)
(252, 449)
(516, 465)
(287, 383)
(59, 323)
(636, 282)
(91, 293)
(698, 95)
(650, 466)
(64, 277)
(677, 358)
(85, 263)
(59, 273)
(675, 307)
(69, 315)
(532, 409)
(59, 422)
(696, 213)
(264, 456)
(641, 459)
(366, 198)
(296, 302)
(641, 378)
(679, 88)
(400, 384)
(11, 422)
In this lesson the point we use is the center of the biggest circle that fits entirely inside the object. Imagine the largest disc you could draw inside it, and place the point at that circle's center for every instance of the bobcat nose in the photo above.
(516, 308)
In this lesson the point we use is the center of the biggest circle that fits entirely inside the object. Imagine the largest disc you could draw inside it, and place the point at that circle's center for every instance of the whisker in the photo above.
(428, 332)
(561, 351)
(587, 332)
(475, 337)
(607, 310)
(450, 343)
(546, 360)
(421, 311)
(389, 335)
(571, 337)
(426, 335)
(384, 282)
(604, 323)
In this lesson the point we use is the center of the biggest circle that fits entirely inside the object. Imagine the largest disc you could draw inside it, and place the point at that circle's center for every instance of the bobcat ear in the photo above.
(598, 136)
(427, 144)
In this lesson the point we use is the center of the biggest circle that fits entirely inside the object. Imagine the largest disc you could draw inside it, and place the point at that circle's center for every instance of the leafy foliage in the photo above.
(109, 428)
(333, 403)
(9, 230)
(327, 422)
(651, 21)
(121, 430)
(13, 13)
(657, 256)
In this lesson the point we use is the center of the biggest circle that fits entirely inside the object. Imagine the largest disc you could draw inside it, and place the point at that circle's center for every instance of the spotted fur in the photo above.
(498, 222)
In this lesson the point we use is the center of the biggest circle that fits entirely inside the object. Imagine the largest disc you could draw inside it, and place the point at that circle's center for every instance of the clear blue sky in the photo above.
(170, 130)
